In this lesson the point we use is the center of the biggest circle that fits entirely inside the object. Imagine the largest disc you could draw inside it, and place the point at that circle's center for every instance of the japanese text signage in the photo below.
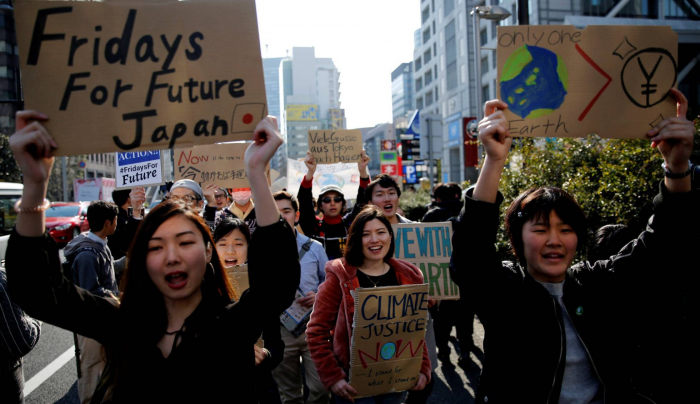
(139, 169)
(336, 146)
(560, 81)
(220, 164)
(127, 76)
(388, 338)
(429, 247)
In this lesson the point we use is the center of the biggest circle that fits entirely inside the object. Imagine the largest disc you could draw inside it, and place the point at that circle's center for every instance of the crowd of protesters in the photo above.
(159, 319)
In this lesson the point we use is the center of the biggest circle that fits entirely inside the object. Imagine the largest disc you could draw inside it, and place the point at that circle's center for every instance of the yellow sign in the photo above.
(298, 112)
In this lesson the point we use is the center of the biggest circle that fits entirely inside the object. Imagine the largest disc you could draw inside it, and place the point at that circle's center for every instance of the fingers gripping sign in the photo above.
(32, 146)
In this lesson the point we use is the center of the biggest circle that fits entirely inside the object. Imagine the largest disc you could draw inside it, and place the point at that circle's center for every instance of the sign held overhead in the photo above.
(336, 146)
(560, 81)
(127, 76)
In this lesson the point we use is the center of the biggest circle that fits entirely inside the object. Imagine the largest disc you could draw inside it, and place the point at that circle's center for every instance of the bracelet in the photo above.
(36, 209)
(677, 176)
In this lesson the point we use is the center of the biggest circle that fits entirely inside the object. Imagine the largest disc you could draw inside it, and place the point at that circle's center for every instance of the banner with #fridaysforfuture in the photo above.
(429, 247)
(560, 81)
(388, 338)
(336, 146)
(139, 169)
(125, 76)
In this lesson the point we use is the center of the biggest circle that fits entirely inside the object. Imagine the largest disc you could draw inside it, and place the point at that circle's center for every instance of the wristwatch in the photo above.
(676, 176)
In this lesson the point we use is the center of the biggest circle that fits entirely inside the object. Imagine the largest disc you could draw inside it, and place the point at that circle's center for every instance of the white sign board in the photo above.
(139, 169)
(344, 175)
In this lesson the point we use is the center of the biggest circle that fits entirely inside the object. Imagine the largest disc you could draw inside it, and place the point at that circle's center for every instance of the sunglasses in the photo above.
(336, 199)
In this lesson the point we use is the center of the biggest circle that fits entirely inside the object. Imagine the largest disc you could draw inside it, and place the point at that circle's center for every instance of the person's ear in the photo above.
(296, 218)
(209, 252)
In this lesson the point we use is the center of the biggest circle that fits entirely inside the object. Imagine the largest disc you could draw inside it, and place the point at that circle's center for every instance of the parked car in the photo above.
(66, 220)
(10, 192)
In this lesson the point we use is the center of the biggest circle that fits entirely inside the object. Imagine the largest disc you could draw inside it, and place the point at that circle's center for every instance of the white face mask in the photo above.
(241, 197)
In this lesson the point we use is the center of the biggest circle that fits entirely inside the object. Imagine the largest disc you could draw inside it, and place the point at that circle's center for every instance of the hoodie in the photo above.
(92, 265)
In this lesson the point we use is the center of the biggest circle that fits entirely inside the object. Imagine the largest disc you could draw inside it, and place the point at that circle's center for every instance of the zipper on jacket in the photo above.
(561, 349)
(587, 352)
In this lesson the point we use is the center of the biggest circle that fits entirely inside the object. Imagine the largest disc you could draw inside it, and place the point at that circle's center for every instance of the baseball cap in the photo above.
(331, 188)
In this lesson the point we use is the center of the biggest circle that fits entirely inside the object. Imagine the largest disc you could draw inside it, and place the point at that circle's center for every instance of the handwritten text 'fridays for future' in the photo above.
(116, 50)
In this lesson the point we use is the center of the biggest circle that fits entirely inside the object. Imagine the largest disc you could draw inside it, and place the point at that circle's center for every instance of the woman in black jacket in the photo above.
(175, 337)
(551, 330)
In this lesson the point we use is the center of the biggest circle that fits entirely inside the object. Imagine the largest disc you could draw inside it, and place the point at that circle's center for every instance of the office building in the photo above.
(402, 99)
(372, 140)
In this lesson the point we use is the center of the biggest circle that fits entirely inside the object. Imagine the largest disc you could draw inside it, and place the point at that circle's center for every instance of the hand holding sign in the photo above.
(32, 146)
(310, 162)
(336, 146)
(493, 131)
(362, 165)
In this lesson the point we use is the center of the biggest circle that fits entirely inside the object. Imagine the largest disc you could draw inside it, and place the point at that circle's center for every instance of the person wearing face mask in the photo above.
(242, 208)
(332, 230)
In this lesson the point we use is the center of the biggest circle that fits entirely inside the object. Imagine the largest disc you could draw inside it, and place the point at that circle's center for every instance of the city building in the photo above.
(402, 99)
(10, 91)
(372, 139)
(443, 58)
(271, 71)
(309, 100)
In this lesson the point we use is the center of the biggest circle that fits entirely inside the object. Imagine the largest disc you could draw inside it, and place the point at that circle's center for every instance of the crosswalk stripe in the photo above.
(48, 371)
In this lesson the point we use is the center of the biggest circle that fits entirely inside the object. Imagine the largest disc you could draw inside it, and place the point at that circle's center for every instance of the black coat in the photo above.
(524, 345)
(214, 361)
(443, 211)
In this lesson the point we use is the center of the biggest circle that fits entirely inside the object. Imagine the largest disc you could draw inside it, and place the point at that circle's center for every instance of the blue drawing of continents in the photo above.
(534, 82)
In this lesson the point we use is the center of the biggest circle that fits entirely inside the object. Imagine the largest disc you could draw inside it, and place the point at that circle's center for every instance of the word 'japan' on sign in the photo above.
(388, 338)
(126, 76)
(336, 146)
(429, 247)
(560, 81)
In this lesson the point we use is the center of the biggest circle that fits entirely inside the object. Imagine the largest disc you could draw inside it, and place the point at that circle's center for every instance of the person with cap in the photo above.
(187, 192)
(332, 230)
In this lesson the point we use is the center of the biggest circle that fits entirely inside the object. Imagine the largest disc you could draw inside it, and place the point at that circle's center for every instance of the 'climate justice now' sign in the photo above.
(126, 76)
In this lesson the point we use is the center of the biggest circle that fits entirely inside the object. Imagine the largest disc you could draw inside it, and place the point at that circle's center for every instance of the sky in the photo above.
(367, 40)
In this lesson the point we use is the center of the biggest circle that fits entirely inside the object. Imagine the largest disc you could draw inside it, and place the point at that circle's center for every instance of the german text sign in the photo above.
(336, 146)
(220, 164)
(429, 247)
(560, 81)
(125, 76)
(139, 169)
(388, 338)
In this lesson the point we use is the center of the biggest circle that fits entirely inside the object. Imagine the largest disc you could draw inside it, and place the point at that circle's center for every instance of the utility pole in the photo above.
(523, 13)
(430, 151)
(64, 179)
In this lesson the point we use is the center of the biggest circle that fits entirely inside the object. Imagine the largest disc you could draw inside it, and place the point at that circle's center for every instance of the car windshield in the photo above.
(62, 211)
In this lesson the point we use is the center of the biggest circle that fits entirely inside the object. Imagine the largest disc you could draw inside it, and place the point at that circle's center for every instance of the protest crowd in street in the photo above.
(240, 293)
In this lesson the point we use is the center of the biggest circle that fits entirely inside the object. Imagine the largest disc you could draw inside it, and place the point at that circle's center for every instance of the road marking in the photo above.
(48, 371)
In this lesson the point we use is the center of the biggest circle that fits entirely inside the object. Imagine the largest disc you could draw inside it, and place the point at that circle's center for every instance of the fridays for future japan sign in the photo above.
(127, 76)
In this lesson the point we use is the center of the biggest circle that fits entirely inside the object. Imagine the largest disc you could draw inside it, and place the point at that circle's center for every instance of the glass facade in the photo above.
(402, 90)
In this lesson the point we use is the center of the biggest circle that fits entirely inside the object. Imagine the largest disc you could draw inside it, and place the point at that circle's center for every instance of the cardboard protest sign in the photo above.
(345, 176)
(560, 81)
(239, 276)
(139, 169)
(429, 247)
(388, 338)
(126, 76)
(336, 146)
(221, 164)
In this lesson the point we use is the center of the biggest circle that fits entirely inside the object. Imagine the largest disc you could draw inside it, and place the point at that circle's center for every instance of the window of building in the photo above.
(483, 38)
(425, 15)
(484, 65)
(451, 55)
(426, 35)
(485, 94)
(419, 83)
(417, 64)
(435, 71)
(433, 27)
(426, 56)
(435, 49)
(514, 14)
(428, 78)
(448, 6)
(494, 61)
(428, 98)
(419, 103)
(494, 30)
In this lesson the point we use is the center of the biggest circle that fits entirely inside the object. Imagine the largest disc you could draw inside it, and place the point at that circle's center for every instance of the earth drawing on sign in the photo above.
(534, 82)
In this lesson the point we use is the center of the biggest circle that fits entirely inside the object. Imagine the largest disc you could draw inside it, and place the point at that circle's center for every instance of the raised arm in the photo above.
(307, 210)
(35, 279)
(493, 133)
(266, 141)
(361, 200)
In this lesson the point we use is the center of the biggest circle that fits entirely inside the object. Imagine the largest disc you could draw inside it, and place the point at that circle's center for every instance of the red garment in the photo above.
(333, 315)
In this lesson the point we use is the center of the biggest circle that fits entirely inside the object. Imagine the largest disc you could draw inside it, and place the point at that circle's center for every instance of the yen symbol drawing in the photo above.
(648, 79)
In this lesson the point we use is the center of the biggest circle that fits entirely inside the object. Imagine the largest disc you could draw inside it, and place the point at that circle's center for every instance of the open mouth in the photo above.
(176, 280)
(230, 262)
(553, 256)
(388, 207)
(375, 249)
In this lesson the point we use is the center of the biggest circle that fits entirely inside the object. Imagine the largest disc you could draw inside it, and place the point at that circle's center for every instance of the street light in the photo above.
(493, 13)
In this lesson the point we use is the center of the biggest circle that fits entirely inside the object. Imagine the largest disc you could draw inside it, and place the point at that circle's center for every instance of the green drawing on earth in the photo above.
(534, 82)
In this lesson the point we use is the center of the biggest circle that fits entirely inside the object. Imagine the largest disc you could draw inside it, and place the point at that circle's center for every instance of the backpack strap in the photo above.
(305, 248)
